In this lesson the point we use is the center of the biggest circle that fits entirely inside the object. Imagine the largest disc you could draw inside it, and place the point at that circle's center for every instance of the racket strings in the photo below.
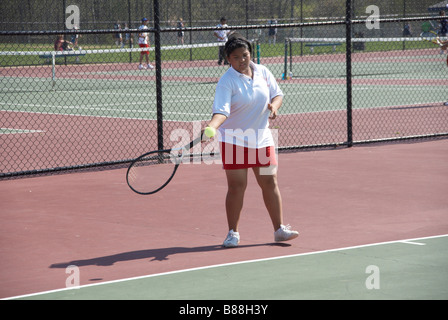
(152, 172)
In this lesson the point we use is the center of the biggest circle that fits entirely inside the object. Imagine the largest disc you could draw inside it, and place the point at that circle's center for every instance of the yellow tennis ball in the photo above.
(210, 132)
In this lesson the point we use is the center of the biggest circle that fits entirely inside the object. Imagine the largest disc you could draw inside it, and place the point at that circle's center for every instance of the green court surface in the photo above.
(394, 79)
(406, 269)
(138, 101)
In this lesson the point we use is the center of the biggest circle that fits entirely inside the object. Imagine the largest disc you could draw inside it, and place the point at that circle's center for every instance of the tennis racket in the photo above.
(152, 171)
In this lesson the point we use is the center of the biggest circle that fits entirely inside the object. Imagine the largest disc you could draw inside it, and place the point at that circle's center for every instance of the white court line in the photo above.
(16, 130)
(150, 95)
(124, 94)
(419, 104)
(99, 107)
(343, 89)
(206, 115)
(223, 265)
(111, 117)
(415, 243)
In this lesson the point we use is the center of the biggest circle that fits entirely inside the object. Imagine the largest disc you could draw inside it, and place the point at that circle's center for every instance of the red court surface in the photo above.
(335, 198)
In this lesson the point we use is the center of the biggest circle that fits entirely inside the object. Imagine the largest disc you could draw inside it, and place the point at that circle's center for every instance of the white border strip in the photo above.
(222, 265)
(344, 40)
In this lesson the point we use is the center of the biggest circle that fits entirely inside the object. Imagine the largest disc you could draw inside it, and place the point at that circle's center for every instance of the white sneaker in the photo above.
(232, 240)
(140, 67)
(150, 66)
(284, 233)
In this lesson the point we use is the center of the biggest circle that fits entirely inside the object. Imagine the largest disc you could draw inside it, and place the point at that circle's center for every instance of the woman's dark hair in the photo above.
(236, 41)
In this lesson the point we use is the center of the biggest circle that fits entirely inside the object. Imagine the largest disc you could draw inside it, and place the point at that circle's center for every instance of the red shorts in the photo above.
(237, 157)
(142, 45)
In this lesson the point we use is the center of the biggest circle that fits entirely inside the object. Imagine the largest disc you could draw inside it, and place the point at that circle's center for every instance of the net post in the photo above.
(158, 62)
(53, 68)
(348, 54)
(290, 53)
(129, 27)
(285, 68)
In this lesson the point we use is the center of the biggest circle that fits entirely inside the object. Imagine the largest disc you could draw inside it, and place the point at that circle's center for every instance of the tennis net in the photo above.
(325, 57)
(84, 69)
(97, 64)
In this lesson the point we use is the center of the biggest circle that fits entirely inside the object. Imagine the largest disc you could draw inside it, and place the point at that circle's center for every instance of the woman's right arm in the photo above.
(217, 120)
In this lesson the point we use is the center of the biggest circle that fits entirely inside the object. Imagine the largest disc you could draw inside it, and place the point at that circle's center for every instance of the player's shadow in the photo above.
(152, 254)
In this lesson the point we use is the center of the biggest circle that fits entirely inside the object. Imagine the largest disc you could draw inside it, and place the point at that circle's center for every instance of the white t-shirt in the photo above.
(244, 101)
(222, 34)
(143, 36)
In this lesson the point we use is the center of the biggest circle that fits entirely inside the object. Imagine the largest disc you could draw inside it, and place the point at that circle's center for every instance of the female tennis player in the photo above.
(246, 96)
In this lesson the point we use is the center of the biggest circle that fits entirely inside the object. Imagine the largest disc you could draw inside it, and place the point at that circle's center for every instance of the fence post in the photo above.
(130, 27)
(348, 54)
(158, 62)
(285, 68)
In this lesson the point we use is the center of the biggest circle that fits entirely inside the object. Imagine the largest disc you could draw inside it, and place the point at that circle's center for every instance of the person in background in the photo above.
(143, 42)
(443, 25)
(74, 39)
(443, 30)
(221, 36)
(407, 31)
(272, 32)
(180, 32)
(128, 39)
(61, 44)
(117, 36)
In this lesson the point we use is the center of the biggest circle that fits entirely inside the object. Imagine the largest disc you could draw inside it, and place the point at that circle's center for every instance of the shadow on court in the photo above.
(154, 254)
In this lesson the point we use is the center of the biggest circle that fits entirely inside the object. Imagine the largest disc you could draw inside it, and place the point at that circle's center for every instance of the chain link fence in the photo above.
(347, 78)
(44, 15)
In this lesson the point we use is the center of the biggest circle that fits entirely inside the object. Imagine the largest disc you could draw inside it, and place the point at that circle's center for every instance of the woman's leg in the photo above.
(236, 186)
(271, 195)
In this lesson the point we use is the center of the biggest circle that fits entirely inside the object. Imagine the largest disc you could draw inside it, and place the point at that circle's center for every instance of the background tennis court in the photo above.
(133, 93)
(110, 111)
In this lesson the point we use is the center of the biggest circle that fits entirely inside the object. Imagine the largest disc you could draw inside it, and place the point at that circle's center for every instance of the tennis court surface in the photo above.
(373, 222)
